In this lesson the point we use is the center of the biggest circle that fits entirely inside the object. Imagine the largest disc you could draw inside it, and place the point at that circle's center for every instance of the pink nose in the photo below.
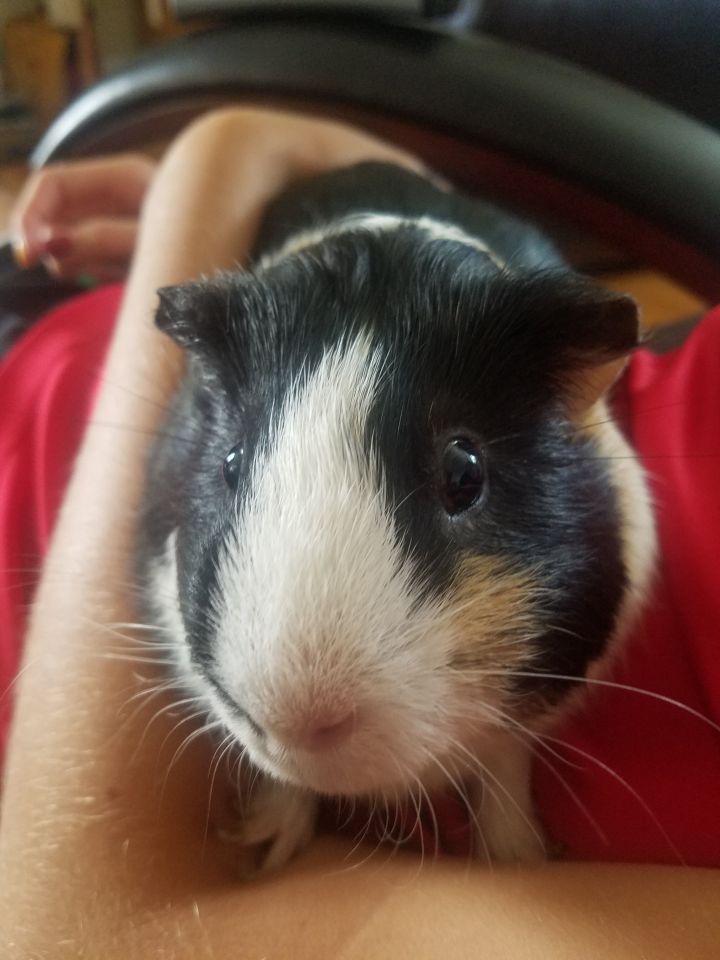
(323, 732)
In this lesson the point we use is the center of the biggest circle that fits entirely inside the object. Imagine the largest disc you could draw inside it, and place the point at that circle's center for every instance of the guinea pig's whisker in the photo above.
(382, 829)
(505, 439)
(359, 839)
(463, 794)
(637, 412)
(542, 740)
(220, 751)
(418, 825)
(147, 652)
(129, 651)
(182, 720)
(234, 760)
(401, 806)
(29, 585)
(99, 375)
(486, 773)
(167, 709)
(456, 781)
(644, 459)
(350, 803)
(401, 503)
(627, 786)
(180, 723)
(137, 588)
(556, 628)
(33, 571)
(206, 728)
(538, 748)
(397, 823)
(582, 807)
(253, 783)
(372, 852)
(137, 658)
(475, 822)
(150, 692)
(594, 681)
(141, 645)
(387, 835)
(409, 815)
(520, 729)
(110, 425)
(423, 795)
(223, 748)
(26, 667)
(150, 627)
(186, 741)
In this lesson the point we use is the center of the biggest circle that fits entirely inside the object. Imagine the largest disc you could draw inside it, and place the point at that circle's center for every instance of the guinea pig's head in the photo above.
(388, 500)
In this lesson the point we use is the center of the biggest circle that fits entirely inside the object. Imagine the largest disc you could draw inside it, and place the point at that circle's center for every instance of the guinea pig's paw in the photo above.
(277, 821)
(512, 840)
(506, 829)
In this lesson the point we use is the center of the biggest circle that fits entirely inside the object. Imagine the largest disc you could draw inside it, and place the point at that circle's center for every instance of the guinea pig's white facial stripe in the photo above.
(378, 223)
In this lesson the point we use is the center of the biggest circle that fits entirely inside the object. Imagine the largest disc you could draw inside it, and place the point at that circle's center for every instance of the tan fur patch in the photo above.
(495, 618)
(637, 526)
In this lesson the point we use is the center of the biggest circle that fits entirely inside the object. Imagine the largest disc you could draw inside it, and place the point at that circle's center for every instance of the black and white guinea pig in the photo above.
(390, 525)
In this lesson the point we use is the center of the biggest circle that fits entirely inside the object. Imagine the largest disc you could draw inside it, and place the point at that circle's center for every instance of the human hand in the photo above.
(81, 217)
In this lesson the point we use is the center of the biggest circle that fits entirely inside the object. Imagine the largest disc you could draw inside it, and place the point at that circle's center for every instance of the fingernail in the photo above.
(20, 252)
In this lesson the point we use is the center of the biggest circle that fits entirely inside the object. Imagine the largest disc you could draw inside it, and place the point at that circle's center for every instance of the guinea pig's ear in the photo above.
(194, 315)
(605, 331)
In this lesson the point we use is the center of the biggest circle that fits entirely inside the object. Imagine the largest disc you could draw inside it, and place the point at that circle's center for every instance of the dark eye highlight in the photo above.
(463, 476)
(231, 466)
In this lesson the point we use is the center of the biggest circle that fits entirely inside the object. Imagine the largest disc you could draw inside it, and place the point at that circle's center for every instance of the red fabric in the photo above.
(667, 809)
(650, 792)
(47, 382)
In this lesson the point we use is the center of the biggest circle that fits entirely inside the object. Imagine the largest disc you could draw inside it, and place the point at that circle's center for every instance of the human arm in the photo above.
(104, 853)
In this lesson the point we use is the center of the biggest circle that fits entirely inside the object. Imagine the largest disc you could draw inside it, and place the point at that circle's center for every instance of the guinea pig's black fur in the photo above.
(487, 346)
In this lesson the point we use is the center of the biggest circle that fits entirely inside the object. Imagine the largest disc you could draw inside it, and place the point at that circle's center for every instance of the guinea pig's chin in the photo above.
(338, 772)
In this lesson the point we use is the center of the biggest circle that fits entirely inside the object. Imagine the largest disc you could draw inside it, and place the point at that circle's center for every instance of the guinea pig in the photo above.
(390, 524)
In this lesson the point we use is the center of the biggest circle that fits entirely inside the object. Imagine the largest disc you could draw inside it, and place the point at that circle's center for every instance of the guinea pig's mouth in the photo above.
(350, 770)
(347, 755)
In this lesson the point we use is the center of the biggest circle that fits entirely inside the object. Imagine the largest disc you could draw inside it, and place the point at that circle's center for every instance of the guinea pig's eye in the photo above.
(463, 475)
(231, 466)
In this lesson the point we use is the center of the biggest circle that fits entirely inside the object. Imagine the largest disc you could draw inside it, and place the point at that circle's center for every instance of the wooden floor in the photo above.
(661, 300)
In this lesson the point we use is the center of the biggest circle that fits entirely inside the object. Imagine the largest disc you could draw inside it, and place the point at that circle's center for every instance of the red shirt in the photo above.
(638, 776)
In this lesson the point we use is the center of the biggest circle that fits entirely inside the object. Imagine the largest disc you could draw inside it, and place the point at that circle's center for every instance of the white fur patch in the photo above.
(377, 223)
(637, 524)
(163, 592)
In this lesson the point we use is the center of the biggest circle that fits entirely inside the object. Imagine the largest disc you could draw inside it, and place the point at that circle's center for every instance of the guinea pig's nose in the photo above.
(324, 730)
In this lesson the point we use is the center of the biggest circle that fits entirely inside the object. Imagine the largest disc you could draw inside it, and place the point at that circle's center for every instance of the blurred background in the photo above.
(51, 50)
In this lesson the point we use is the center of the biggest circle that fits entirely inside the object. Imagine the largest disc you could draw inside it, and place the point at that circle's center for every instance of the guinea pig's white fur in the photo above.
(378, 223)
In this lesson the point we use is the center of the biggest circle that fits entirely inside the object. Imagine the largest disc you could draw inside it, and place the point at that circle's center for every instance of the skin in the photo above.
(104, 851)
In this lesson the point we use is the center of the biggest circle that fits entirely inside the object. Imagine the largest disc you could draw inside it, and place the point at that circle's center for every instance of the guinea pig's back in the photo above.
(380, 188)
